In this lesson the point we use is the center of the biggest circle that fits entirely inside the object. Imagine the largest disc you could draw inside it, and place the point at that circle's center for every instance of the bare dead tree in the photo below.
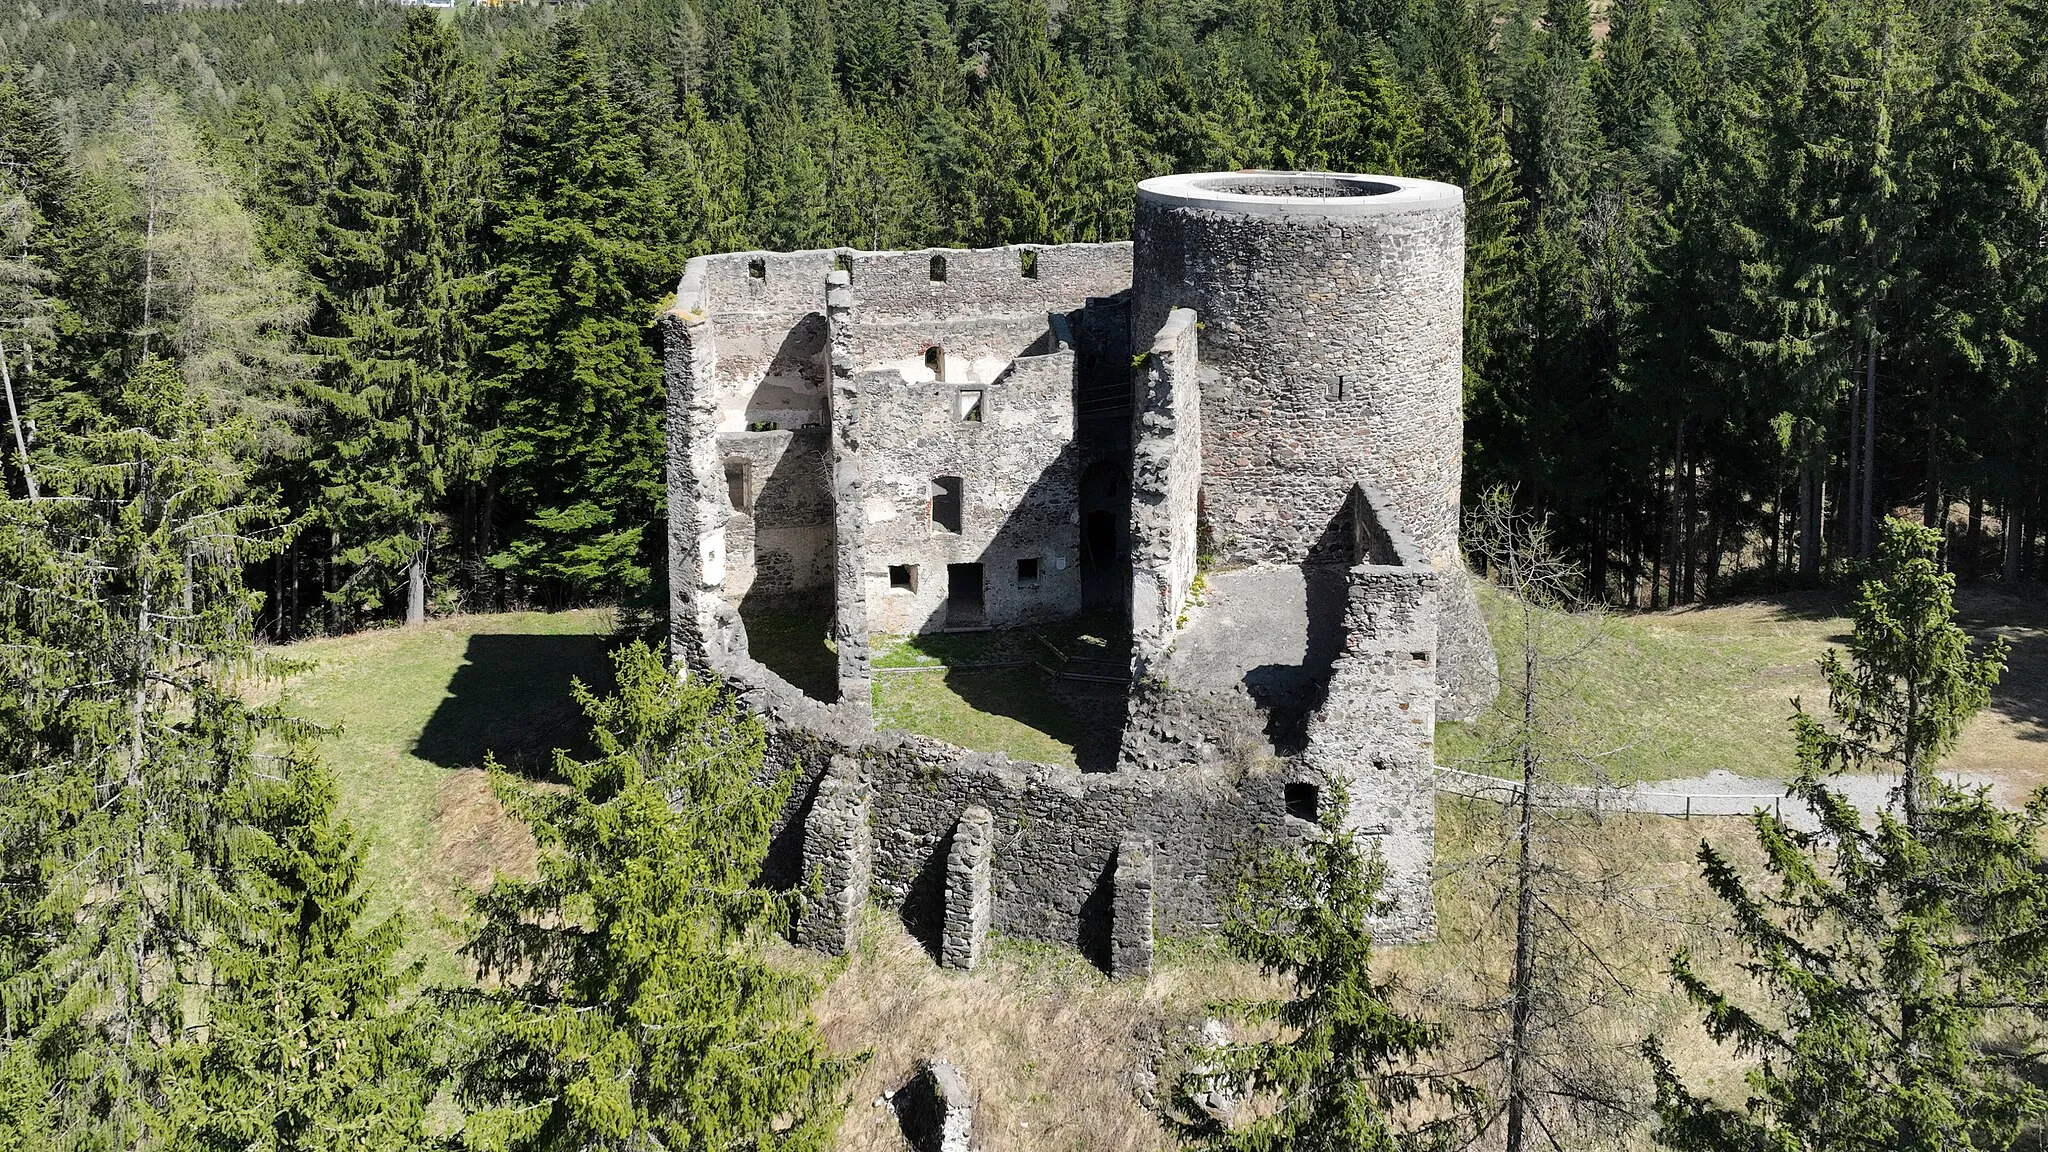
(1536, 1048)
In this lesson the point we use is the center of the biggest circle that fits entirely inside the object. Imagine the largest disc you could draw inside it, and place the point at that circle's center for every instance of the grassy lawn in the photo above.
(416, 712)
(1020, 711)
(1685, 692)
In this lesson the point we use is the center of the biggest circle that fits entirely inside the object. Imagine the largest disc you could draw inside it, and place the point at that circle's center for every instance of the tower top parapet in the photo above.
(1256, 192)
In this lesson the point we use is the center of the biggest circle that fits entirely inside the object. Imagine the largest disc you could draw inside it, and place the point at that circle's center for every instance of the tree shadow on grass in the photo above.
(511, 698)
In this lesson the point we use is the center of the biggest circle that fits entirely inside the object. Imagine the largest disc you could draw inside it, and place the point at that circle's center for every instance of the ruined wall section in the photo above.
(764, 313)
(1166, 476)
(1375, 732)
(1017, 479)
(1332, 316)
(898, 286)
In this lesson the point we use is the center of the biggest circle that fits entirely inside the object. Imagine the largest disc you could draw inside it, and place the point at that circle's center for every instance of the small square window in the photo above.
(967, 405)
(938, 269)
(1304, 801)
(1027, 571)
(903, 577)
(1027, 263)
(842, 263)
(738, 488)
(757, 269)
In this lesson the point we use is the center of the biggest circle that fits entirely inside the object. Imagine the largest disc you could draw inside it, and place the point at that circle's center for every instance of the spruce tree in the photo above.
(574, 388)
(398, 260)
(1885, 960)
(306, 1045)
(636, 1009)
(1340, 1071)
(126, 650)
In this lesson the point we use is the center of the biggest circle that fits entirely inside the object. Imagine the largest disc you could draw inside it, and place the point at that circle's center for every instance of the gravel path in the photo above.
(1715, 794)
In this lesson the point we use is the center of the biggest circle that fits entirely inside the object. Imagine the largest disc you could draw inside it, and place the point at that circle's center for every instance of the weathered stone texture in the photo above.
(969, 896)
(939, 1114)
(1335, 346)
(838, 860)
(1130, 938)
(1375, 732)
(1298, 399)
(1018, 475)
(1166, 477)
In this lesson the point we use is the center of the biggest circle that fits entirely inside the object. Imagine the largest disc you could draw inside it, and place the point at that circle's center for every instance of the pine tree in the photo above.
(305, 1046)
(129, 754)
(1885, 960)
(575, 438)
(636, 1008)
(398, 260)
(1341, 1070)
(1913, 680)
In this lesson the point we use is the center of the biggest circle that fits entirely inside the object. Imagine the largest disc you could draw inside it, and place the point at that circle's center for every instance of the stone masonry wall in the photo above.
(1019, 479)
(1166, 476)
(1334, 344)
(1376, 729)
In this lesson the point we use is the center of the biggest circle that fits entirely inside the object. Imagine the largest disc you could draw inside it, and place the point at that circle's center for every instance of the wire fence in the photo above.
(1684, 805)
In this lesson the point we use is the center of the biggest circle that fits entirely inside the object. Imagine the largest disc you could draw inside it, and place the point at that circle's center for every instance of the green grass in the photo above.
(417, 710)
(1677, 693)
(1020, 711)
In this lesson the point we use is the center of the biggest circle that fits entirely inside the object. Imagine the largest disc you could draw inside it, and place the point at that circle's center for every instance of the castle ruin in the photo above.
(1239, 433)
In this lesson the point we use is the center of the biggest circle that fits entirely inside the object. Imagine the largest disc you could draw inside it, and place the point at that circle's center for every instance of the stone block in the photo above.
(969, 893)
(1130, 930)
(838, 856)
(936, 1108)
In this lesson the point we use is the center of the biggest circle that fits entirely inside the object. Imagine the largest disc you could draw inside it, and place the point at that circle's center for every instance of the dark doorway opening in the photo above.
(963, 594)
(1304, 801)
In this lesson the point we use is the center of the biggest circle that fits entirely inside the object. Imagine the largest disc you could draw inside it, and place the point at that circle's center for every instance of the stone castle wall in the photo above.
(1166, 480)
(1332, 329)
(835, 349)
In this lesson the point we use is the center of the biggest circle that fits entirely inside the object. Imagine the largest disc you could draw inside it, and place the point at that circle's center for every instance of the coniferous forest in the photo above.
(321, 316)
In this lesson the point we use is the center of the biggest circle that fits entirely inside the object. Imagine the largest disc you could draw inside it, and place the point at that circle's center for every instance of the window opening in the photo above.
(1304, 801)
(1027, 263)
(1027, 571)
(938, 269)
(842, 263)
(903, 577)
(967, 405)
(738, 487)
(963, 592)
(946, 502)
(758, 269)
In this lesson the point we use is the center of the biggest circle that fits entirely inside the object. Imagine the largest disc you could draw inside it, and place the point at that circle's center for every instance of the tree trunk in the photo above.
(1691, 548)
(416, 589)
(1852, 534)
(28, 472)
(1674, 509)
(1809, 519)
(2011, 530)
(1866, 526)
(1976, 535)
(1522, 981)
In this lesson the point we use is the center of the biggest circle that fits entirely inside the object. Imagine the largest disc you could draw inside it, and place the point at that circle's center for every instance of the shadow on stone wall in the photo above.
(510, 698)
(1087, 715)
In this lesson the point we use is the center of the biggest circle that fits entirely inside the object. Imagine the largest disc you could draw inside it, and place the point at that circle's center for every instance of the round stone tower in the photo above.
(1331, 309)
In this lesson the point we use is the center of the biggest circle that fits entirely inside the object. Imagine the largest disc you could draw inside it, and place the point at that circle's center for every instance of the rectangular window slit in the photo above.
(903, 577)
(947, 498)
(1027, 263)
(757, 269)
(738, 487)
(1027, 571)
(967, 405)
(938, 269)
